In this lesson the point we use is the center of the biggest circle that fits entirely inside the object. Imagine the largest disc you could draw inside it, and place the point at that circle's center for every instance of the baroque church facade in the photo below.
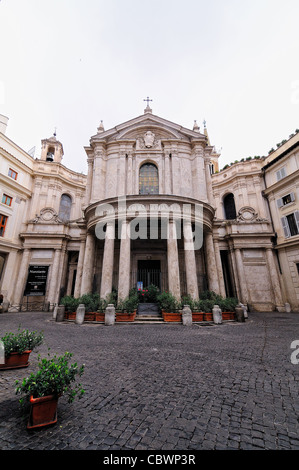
(153, 209)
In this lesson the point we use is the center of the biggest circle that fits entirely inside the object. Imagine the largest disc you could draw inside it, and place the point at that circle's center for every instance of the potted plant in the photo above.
(18, 346)
(126, 309)
(71, 304)
(170, 307)
(55, 377)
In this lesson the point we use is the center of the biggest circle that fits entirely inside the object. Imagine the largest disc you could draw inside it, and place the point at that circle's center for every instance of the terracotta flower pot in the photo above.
(125, 317)
(197, 316)
(16, 360)
(70, 315)
(43, 411)
(100, 317)
(89, 316)
(208, 317)
(228, 315)
(172, 316)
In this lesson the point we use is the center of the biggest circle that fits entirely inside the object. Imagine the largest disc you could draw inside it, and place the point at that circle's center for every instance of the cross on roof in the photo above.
(148, 100)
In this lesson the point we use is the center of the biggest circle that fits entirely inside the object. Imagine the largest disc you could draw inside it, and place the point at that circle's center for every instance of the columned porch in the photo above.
(154, 243)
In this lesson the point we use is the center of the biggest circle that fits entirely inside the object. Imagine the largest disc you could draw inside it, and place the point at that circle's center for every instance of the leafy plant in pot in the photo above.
(18, 346)
(55, 377)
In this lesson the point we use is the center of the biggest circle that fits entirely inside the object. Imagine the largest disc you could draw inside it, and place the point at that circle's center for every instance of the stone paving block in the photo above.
(156, 387)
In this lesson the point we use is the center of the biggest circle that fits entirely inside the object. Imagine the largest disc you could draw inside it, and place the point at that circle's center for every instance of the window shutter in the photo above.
(285, 227)
(297, 219)
(279, 203)
(292, 196)
(281, 174)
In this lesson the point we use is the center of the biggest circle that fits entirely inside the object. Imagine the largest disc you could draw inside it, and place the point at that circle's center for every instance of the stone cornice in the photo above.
(153, 205)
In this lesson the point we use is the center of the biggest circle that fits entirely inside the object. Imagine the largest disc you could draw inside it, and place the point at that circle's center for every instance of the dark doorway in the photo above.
(229, 286)
(149, 273)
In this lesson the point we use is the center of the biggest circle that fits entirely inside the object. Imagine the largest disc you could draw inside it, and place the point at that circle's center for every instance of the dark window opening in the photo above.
(229, 207)
(3, 221)
(292, 224)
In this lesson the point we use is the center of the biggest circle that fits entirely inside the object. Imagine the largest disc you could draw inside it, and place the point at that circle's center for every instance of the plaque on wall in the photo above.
(36, 281)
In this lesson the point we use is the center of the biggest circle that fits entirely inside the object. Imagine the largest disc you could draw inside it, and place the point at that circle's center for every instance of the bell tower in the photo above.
(52, 150)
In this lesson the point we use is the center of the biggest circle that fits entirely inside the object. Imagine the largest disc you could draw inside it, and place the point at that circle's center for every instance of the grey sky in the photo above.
(70, 64)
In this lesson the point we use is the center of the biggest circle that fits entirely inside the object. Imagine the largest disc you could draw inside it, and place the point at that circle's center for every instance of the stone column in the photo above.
(88, 266)
(275, 280)
(201, 186)
(241, 277)
(97, 186)
(108, 260)
(77, 289)
(173, 261)
(219, 269)
(167, 175)
(53, 287)
(129, 175)
(208, 180)
(89, 181)
(124, 262)
(211, 263)
(21, 278)
(190, 261)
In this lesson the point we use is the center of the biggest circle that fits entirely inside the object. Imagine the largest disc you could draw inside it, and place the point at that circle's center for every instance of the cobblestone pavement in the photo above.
(164, 386)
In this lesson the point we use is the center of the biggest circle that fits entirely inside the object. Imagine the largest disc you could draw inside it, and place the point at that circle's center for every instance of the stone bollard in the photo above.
(60, 313)
(288, 308)
(239, 313)
(187, 316)
(110, 315)
(244, 307)
(55, 311)
(80, 314)
(46, 307)
(5, 305)
(217, 315)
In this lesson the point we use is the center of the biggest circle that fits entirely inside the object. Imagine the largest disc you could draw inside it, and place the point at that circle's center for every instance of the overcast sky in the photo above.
(70, 64)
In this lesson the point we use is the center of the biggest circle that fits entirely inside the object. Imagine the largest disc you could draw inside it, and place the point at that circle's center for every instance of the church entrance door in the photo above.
(149, 273)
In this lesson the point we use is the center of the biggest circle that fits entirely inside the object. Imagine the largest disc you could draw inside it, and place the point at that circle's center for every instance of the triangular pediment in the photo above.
(137, 127)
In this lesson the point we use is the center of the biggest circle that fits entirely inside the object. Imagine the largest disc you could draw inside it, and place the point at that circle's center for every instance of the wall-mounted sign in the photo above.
(139, 285)
(36, 280)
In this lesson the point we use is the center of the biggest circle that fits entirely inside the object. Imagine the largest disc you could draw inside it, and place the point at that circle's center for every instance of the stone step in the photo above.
(148, 319)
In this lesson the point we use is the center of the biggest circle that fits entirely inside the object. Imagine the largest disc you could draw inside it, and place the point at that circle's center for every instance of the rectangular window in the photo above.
(290, 224)
(13, 174)
(285, 200)
(297, 267)
(288, 199)
(3, 221)
(6, 200)
(281, 174)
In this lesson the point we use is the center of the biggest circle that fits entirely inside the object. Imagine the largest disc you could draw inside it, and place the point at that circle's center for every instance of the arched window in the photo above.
(148, 179)
(65, 208)
(229, 207)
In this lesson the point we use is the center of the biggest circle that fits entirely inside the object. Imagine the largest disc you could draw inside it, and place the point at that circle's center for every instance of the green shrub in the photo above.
(187, 300)
(71, 304)
(91, 302)
(55, 376)
(168, 302)
(21, 341)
